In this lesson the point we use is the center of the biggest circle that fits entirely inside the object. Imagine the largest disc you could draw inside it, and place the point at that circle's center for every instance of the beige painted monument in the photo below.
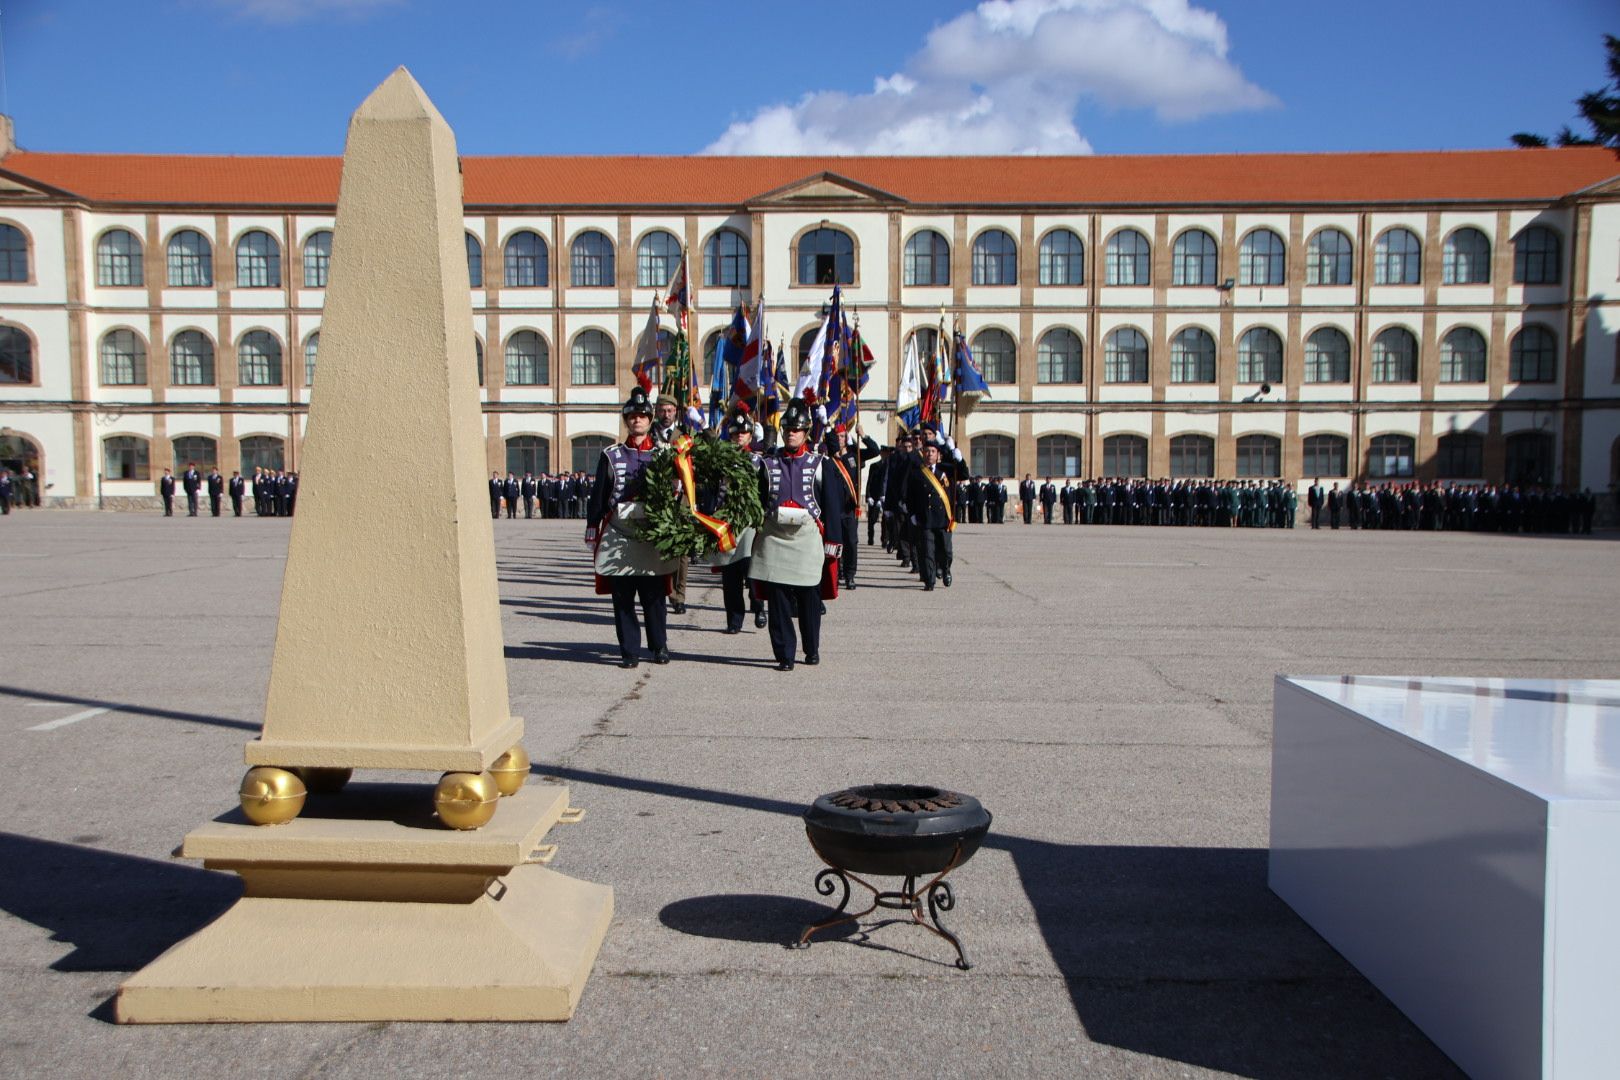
(388, 901)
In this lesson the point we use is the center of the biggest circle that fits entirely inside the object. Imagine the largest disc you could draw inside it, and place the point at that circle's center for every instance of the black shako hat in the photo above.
(796, 417)
(637, 405)
(736, 424)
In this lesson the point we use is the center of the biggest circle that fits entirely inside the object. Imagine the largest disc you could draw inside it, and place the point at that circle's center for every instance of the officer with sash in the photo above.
(631, 569)
(734, 564)
(799, 490)
(846, 459)
(929, 500)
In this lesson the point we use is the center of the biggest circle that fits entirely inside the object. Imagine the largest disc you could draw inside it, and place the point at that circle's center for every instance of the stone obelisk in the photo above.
(388, 655)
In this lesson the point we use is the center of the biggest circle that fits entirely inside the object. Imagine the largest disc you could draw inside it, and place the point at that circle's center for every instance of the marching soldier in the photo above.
(734, 565)
(799, 491)
(846, 459)
(633, 570)
(929, 501)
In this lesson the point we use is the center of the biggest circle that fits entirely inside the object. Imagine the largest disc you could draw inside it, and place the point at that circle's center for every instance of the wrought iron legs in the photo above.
(936, 894)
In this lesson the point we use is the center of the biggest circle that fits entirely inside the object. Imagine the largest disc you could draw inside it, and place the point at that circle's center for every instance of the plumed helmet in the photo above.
(736, 424)
(637, 404)
(796, 417)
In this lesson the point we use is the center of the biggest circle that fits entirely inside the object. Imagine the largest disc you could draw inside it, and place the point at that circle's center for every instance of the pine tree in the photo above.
(1600, 109)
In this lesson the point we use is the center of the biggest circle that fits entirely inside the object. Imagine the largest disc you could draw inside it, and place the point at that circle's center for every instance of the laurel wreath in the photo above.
(718, 467)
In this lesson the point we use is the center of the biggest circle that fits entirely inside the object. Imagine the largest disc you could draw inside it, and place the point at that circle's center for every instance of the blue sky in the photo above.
(865, 76)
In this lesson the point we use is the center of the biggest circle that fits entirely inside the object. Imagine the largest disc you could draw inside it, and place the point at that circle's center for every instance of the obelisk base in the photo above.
(365, 908)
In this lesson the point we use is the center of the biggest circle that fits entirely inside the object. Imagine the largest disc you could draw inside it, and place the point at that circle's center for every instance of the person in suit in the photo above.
(216, 490)
(1334, 501)
(166, 490)
(929, 502)
(800, 492)
(1314, 498)
(1026, 497)
(978, 499)
(5, 491)
(1048, 500)
(1066, 500)
(292, 494)
(237, 488)
(191, 480)
(628, 568)
(497, 491)
(734, 564)
(510, 490)
(528, 490)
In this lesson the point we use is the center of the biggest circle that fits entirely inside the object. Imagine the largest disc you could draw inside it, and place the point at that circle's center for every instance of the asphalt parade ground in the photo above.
(1106, 692)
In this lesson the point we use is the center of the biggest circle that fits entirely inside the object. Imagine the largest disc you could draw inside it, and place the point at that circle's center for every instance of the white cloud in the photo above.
(288, 11)
(1008, 77)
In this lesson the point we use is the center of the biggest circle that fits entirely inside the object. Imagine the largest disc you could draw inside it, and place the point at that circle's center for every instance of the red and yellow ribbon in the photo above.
(939, 489)
(683, 467)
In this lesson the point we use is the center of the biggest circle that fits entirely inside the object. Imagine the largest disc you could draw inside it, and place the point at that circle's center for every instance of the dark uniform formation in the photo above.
(1252, 504)
(921, 492)
(1453, 508)
(555, 496)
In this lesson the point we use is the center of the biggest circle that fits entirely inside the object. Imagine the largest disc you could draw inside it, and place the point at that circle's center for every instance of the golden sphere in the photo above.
(271, 796)
(510, 770)
(466, 800)
(324, 781)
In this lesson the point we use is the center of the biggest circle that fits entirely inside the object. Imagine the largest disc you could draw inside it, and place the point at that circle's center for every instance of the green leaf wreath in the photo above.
(718, 466)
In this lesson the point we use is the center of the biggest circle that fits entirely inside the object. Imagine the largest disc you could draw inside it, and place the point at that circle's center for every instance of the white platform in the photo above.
(1458, 840)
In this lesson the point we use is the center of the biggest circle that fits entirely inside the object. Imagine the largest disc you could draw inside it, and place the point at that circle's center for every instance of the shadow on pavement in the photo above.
(133, 710)
(749, 917)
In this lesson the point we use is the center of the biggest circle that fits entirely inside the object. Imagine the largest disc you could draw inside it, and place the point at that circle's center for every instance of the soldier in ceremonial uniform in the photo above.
(929, 502)
(901, 462)
(846, 458)
(800, 490)
(633, 569)
(735, 564)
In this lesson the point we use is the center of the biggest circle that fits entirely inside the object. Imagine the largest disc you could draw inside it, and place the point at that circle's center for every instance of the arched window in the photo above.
(1192, 356)
(711, 348)
(118, 259)
(528, 454)
(263, 452)
(526, 265)
(16, 356)
(198, 450)
(806, 341)
(826, 257)
(123, 358)
(1529, 458)
(997, 355)
(475, 262)
(1057, 357)
(995, 258)
(1125, 456)
(593, 359)
(13, 254)
(927, 341)
(1537, 257)
(191, 359)
(1390, 457)
(312, 346)
(1397, 258)
(1459, 455)
(1057, 455)
(1326, 455)
(1328, 258)
(258, 261)
(1262, 259)
(1466, 258)
(1125, 357)
(725, 260)
(1260, 358)
(1533, 356)
(1327, 356)
(992, 455)
(1192, 455)
(1462, 357)
(126, 457)
(1394, 356)
(587, 449)
(528, 362)
(317, 259)
(592, 261)
(1259, 456)
(1062, 258)
(657, 256)
(258, 359)
(478, 351)
(1192, 260)
(191, 260)
(1127, 259)
(927, 259)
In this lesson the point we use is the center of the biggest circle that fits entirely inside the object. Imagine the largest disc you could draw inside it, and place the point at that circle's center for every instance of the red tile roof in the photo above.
(1207, 179)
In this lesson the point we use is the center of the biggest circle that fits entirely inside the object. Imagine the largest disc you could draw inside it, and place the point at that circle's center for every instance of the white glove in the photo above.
(832, 551)
(914, 519)
(956, 453)
(821, 413)
(950, 442)
(590, 539)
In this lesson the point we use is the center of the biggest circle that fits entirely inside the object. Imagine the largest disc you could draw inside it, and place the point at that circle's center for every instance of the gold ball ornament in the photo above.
(510, 770)
(324, 781)
(466, 800)
(272, 796)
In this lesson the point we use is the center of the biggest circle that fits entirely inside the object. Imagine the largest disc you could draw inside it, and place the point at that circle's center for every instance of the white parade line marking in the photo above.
(52, 725)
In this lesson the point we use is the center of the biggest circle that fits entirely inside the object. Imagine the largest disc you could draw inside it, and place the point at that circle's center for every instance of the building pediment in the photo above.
(21, 186)
(825, 188)
(1611, 186)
